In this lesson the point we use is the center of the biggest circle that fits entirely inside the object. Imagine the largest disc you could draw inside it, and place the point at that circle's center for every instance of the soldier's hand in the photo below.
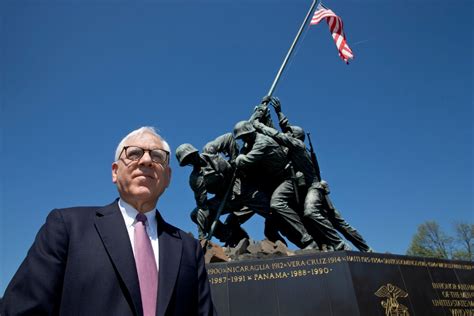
(238, 160)
(238, 171)
(204, 212)
(266, 99)
(258, 125)
(275, 102)
(202, 217)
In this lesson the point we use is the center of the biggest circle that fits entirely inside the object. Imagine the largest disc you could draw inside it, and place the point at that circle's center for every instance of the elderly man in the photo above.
(120, 259)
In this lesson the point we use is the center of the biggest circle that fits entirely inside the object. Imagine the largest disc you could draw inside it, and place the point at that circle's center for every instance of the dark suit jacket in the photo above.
(81, 263)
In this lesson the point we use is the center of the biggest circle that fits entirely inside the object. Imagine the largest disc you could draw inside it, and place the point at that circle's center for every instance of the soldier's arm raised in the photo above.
(282, 119)
(279, 137)
(224, 144)
(256, 154)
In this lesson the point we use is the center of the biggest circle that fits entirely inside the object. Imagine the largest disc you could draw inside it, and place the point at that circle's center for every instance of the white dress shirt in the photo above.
(129, 216)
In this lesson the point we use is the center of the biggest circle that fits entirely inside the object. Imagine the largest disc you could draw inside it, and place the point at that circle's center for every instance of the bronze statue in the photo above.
(265, 163)
(273, 175)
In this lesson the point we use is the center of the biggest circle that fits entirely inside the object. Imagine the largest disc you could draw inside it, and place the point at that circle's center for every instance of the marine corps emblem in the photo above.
(391, 305)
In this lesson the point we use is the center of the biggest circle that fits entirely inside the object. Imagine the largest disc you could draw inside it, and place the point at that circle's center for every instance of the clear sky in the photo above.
(393, 130)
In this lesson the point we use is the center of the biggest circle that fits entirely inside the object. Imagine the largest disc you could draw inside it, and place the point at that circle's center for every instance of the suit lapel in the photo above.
(111, 228)
(170, 245)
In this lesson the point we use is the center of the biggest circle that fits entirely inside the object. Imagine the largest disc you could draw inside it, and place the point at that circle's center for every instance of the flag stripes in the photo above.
(336, 28)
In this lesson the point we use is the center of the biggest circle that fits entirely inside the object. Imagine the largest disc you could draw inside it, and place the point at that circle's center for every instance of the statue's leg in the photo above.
(235, 232)
(221, 232)
(290, 220)
(200, 218)
(349, 232)
(315, 216)
(271, 230)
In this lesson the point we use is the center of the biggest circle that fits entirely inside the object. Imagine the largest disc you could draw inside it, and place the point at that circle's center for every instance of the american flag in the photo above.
(336, 29)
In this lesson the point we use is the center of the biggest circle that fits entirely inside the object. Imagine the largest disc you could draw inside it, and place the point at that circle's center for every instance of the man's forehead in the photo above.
(144, 139)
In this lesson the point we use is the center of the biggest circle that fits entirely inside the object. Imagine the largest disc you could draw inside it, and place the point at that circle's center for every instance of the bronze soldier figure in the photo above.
(212, 174)
(318, 209)
(264, 162)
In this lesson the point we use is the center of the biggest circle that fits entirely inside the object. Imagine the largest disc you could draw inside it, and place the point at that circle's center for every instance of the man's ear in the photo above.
(168, 176)
(114, 172)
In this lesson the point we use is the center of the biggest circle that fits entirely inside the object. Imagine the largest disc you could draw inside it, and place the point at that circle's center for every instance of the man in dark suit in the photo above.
(121, 259)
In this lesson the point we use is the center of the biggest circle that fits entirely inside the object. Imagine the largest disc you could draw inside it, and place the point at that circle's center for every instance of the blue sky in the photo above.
(393, 130)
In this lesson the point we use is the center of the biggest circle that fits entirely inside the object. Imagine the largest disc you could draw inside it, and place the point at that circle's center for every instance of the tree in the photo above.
(465, 240)
(431, 241)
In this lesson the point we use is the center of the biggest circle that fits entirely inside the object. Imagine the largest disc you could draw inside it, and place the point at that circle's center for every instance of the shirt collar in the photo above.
(130, 213)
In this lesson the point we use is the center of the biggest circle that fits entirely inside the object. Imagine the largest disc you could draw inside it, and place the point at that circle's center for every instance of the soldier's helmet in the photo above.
(297, 132)
(243, 128)
(183, 151)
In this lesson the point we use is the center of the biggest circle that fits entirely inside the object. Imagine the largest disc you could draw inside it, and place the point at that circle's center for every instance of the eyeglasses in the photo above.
(134, 153)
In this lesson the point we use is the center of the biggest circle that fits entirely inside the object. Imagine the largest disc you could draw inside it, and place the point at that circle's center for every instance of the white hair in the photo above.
(138, 132)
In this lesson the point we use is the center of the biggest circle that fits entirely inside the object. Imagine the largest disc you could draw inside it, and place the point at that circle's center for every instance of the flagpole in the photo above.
(285, 61)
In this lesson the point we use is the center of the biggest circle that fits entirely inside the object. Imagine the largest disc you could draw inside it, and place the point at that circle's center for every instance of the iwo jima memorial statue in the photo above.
(275, 176)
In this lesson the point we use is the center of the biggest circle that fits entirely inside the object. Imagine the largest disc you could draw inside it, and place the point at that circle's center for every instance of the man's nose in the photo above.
(146, 159)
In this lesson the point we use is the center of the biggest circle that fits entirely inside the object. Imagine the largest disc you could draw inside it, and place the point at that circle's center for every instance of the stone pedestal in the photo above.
(343, 283)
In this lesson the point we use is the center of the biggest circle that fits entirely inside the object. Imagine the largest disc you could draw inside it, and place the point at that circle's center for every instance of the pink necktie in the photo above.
(146, 267)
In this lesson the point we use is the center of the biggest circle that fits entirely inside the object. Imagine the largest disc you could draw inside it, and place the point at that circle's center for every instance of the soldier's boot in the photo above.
(236, 236)
(221, 232)
(342, 246)
(271, 231)
(327, 248)
(311, 245)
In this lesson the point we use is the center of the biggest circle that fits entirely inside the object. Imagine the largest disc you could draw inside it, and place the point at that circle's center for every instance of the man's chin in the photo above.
(144, 193)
